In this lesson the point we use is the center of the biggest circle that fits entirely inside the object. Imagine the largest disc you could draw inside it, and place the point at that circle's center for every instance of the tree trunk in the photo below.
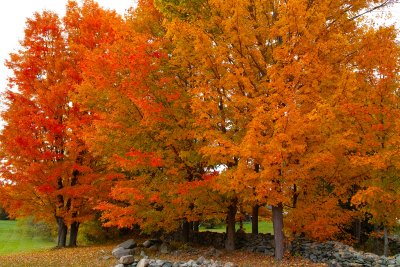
(73, 234)
(230, 226)
(62, 232)
(385, 242)
(196, 225)
(357, 230)
(377, 242)
(277, 221)
(191, 231)
(254, 220)
(185, 231)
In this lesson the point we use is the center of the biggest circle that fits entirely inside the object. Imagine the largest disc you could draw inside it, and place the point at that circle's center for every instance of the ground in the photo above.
(19, 249)
(93, 256)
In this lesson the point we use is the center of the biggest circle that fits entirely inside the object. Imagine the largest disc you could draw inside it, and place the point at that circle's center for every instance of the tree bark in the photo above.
(357, 230)
(277, 221)
(385, 242)
(230, 226)
(73, 235)
(185, 231)
(377, 243)
(62, 232)
(254, 220)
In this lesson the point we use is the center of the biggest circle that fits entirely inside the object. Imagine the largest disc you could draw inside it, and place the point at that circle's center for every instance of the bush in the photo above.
(36, 229)
(93, 232)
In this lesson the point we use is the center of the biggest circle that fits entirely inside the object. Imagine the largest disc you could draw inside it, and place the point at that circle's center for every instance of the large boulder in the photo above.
(119, 252)
(164, 249)
(151, 242)
(128, 244)
(143, 263)
(126, 259)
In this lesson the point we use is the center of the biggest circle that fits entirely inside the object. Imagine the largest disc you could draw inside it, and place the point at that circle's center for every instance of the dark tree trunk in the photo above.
(73, 234)
(230, 226)
(196, 225)
(185, 231)
(357, 230)
(254, 219)
(62, 232)
(385, 242)
(377, 242)
(277, 220)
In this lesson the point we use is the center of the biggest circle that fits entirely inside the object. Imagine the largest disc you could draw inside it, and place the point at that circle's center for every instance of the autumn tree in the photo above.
(43, 151)
(142, 128)
(34, 139)
(265, 81)
(375, 135)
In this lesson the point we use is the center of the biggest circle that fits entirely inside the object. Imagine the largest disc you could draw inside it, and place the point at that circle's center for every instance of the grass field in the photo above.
(263, 227)
(13, 239)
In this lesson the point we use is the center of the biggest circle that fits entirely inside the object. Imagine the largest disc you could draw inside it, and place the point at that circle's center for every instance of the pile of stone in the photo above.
(262, 243)
(337, 254)
(201, 262)
(207, 238)
(126, 251)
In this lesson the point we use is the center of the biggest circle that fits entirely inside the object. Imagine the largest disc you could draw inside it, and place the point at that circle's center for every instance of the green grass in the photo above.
(13, 239)
(263, 227)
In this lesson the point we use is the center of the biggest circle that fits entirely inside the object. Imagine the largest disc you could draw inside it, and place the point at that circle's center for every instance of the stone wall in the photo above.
(332, 253)
(263, 243)
(337, 254)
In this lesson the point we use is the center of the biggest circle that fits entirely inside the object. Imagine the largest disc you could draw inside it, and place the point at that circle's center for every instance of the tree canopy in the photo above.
(185, 111)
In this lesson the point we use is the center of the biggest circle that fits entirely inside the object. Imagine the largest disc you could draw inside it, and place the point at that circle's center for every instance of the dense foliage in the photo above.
(188, 111)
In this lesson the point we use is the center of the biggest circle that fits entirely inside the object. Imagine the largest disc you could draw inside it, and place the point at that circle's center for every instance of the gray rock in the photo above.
(200, 260)
(129, 259)
(230, 264)
(118, 252)
(167, 264)
(164, 249)
(261, 249)
(398, 259)
(143, 263)
(128, 244)
(143, 254)
(148, 243)
(159, 262)
(119, 265)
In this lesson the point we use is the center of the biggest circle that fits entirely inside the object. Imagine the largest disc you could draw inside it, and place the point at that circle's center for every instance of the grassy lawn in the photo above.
(263, 227)
(14, 239)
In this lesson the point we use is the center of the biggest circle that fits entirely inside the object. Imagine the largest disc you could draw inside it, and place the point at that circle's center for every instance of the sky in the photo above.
(13, 15)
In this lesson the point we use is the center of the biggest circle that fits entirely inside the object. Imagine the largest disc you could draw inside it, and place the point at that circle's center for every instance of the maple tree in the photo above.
(44, 155)
(191, 110)
(142, 129)
(264, 75)
(375, 139)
